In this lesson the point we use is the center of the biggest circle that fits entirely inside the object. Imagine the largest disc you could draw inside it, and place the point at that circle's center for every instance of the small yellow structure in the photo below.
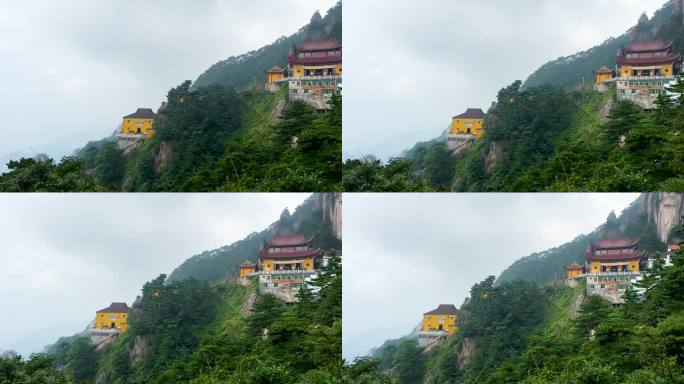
(573, 270)
(113, 317)
(139, 123)
(602, 75)
(274, 74)
(247, 268)
(471, 122)
(441, 319)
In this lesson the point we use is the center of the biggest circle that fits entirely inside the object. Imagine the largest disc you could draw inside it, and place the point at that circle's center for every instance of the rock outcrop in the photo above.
(665, 210)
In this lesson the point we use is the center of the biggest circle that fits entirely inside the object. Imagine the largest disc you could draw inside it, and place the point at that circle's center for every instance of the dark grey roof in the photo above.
(142, 113)
(471, 113)
(444, 309)
(116, 308)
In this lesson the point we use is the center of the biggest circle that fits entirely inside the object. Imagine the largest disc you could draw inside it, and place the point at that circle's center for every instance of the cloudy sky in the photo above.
(412, 64)
(404, 254)
(71, 68)
(64, 257)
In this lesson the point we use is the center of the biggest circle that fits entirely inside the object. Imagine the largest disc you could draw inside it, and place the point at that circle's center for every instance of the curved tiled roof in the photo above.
(573, 266)
(288, 241)
(443, 309)
(116, 308)
(623, 242)
(142, 113)
(647, 60)
(471, 113)
(647, 46)
(318, 45)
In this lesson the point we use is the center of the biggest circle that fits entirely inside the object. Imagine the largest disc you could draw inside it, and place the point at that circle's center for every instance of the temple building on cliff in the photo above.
(466, 128)
(286, 263)
(642, 71)
(315, 72)
(612, 267)
(437, 324)
(109, 322)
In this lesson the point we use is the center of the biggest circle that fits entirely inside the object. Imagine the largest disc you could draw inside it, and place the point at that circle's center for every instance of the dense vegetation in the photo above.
(547, 139)
(209, 139)
(529, 333)
(189, 331)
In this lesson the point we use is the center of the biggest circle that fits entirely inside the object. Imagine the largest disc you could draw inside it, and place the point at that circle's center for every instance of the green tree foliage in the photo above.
(38, 369)
(81, 361)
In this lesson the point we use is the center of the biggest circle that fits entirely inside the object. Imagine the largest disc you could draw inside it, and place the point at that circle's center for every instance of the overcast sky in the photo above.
(64, 257)
(404, 254)
(75, 67)
(413, 64)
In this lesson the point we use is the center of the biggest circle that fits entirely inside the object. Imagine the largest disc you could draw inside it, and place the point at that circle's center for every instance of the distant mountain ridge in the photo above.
(319, 216)
(244, 70)
(653, 219)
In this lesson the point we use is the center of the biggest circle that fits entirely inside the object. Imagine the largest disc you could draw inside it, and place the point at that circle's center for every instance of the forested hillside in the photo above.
(528, 332)
(214, 135)
(553, 134)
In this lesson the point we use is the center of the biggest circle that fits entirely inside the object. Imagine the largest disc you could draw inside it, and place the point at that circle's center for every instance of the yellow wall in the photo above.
(432, 323)
(603, 77)
(130, 127)
(299, 70)
(460, 126)
(246, 271)
(307, 264)
(665, 69)
(572, 273)
(632, 265)
(105, 320)
(273, 77)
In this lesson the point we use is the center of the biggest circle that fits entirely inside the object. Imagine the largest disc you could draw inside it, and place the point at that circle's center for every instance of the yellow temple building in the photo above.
(113, 317)
(573, 270)
(247, 268)
(274, 74)
(316, 58)
(471, 122)
(602, 75)
(139, 123)
(614, 255)
(441, 319)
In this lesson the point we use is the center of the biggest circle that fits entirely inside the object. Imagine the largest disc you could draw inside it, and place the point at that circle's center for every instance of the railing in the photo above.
(636, 78)
(283, 272)
(323, 77)
(461, 137)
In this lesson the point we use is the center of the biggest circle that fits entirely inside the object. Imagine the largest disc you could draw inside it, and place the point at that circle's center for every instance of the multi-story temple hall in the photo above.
(314, 71)
(286, 263)
(642, 71)
(612, 267)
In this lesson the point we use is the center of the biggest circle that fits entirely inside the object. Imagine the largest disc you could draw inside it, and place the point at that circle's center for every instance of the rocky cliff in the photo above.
(665, 210)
